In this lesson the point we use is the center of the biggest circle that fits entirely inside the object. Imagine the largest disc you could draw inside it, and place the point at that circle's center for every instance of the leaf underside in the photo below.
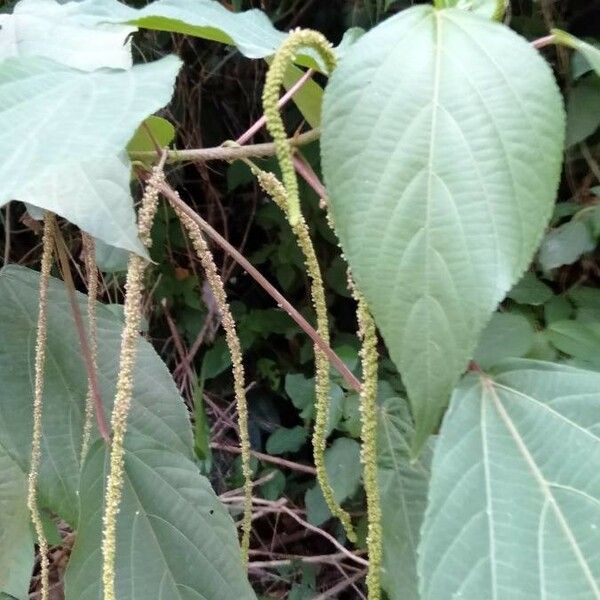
(403, 490)
(442, 171)
(514, 499)
(63, 134)
(185, 548)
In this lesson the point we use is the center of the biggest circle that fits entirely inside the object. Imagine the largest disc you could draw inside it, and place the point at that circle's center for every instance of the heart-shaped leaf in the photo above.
(157, 412)
(187, 541)
(442, 162)
(514, 498)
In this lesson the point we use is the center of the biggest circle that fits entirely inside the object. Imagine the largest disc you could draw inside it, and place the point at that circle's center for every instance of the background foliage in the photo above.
(553, 313)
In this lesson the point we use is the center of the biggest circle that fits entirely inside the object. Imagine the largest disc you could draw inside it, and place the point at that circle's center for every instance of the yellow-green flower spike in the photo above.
(297, 39)
(368, 408)
(272, 186)
(133, 314)
(235, 350)
(89, 253)
(38, 397)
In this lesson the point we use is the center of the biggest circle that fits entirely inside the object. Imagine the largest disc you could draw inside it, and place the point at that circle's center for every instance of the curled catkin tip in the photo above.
(133, 313)
(38, 395)
(297, 39)
(235, 350)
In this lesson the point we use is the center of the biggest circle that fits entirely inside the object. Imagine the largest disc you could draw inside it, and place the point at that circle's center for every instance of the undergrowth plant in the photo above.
(441, 138)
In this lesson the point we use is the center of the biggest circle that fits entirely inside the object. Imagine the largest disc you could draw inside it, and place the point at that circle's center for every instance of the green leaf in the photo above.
(308, 99)
(250, 31)
(342, 461)
(440, 193)
(542, 349)
(530, 290)
(174, 538)
(507, 335)
(286, 439)
(157, 413)
(514, 498)
(110, 259)
(403, 489)
(583, 110)
(216, 359)
(16, 541)
(63, 134)
(585, 296)
(167, 504)
(201, 425)
(557, 309)
(576, 338)
(301, 392)
(153, 131)
(67, 33)
(274, 487)
(565, 245)
(591, 53)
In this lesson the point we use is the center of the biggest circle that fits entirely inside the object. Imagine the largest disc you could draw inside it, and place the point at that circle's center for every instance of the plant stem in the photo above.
(334, 359)
(226, 152)
(542, 42)
(83, 340)
(258, 125)
(282, 462)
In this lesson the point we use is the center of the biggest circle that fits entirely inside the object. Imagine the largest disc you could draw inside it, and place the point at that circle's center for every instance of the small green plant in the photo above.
(441, 162)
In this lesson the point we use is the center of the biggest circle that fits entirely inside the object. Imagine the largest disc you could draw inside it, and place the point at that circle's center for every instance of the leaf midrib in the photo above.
(545, 488)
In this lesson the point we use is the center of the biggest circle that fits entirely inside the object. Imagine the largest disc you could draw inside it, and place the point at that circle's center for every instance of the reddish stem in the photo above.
(61, 251)
(542, 42)
(247, 135)
(334, 359)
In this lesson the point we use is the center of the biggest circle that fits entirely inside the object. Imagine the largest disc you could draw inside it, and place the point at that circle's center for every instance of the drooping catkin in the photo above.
(272, 186)
(133, 314)
(235, 350)
(368, 408)
(38, 397)
(297, 39)
(89, 256)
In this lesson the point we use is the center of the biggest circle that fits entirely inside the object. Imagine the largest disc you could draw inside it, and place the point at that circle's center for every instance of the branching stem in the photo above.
(227, 153)
(281, 301)
(87, 349)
